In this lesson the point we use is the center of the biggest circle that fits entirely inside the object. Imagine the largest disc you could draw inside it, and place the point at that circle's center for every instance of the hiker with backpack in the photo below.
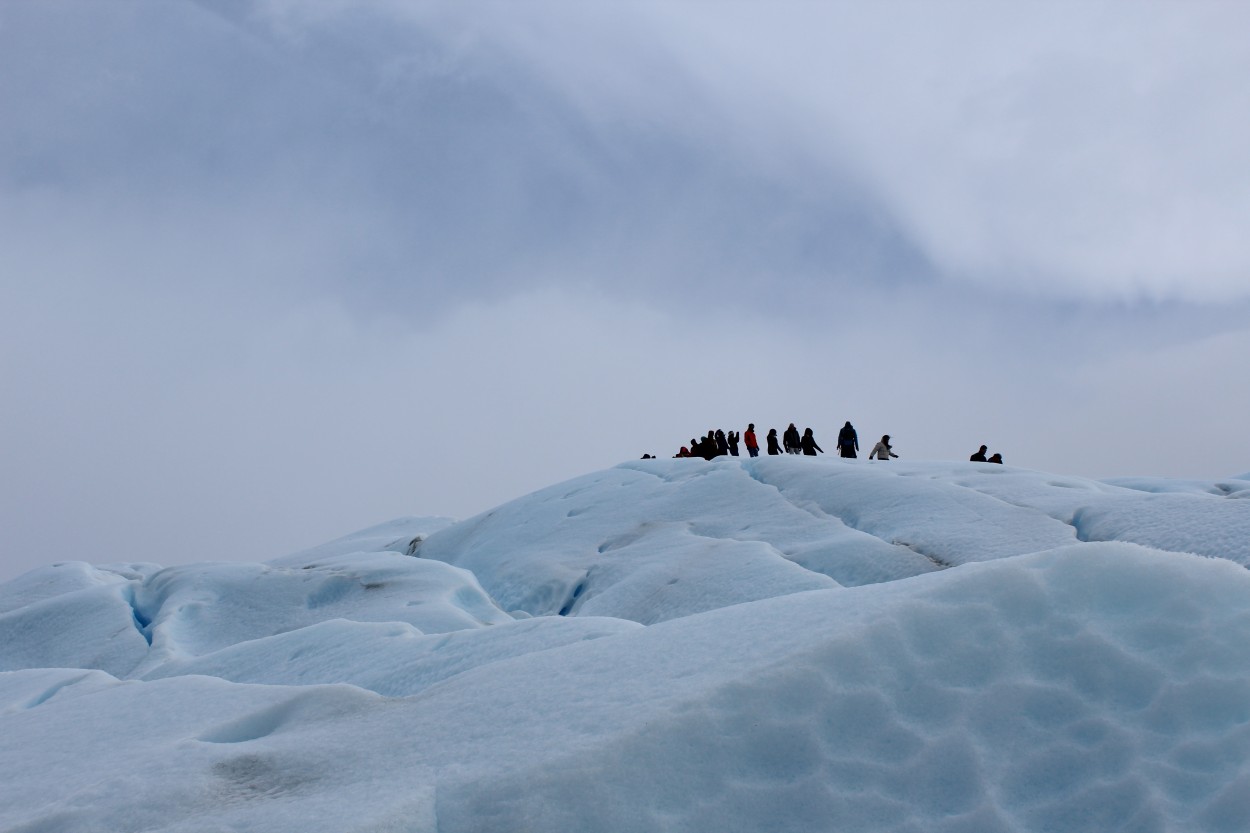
(848, 440)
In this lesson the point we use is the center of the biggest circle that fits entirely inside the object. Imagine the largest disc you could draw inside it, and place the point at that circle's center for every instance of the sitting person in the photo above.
(995, 458)
(979, 457)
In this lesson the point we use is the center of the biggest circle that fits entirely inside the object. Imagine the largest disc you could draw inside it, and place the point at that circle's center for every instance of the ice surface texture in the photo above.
(783, 645)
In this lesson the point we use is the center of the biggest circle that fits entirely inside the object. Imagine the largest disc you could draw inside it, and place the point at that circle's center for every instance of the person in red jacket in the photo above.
(753, 445)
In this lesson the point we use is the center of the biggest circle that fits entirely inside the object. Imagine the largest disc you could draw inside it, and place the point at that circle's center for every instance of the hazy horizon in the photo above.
(276, 271)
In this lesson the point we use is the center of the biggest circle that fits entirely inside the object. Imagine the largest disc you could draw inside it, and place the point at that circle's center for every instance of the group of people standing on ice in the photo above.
(978, 456)
(717, 443)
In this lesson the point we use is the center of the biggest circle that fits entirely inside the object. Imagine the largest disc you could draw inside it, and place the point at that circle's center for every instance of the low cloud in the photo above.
(274, 271)
(1064, 151)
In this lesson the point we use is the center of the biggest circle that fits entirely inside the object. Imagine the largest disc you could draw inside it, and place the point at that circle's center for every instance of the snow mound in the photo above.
(784, 645)
(403, 535)
(391, 658)
(1091, 688)
(608, 543)
(132, 627)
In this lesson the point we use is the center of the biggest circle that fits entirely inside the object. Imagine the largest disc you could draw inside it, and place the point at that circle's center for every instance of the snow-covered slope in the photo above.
(776, 644)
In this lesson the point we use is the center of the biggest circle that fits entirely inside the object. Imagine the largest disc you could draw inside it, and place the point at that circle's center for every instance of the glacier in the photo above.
(784, 644)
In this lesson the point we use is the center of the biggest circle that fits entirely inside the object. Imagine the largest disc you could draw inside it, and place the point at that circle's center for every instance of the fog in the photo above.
(275, 271)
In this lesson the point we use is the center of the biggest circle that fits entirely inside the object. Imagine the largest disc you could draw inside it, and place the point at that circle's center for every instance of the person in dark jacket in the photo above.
(722, 444)
(848, 440)
(773, 446)
(711, 449)
(791, 440)
(733, 437)
(995, 458)
(808, 444)
(753, 445)
(979, 457)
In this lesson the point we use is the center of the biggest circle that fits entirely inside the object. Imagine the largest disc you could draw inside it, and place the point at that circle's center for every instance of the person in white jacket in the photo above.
(881, 450)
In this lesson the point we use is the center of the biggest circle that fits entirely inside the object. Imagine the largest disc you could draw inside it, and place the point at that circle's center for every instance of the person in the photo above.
(684, 452)
(733, 437)
(696, 447)
(722, 444)
(995, 458)
(753, 445)
(979, 457)
(791, 440)
(647, 457)
(809, 444)
(773, 446)
(711, 449)
(882, 449)
(848, 440)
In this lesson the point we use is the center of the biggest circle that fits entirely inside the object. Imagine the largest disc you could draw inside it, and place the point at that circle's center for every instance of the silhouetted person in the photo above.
(753, 445)
(995, 458)
(733, 437)
(882, 449)
(722, 444)
(808, 444)
(711, 449)
(848, 440)
(696, 448)
(979, 457)
(791, 440)
(773, 446)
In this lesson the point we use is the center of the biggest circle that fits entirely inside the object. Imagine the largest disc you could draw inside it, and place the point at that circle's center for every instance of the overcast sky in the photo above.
(275, 270)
